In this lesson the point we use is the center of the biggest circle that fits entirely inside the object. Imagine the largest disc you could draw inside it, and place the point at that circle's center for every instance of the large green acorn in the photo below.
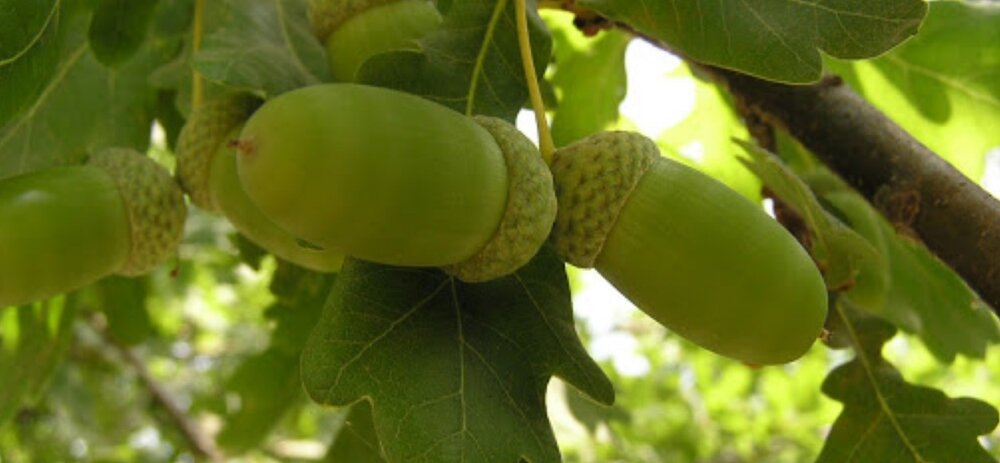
(694, 255)
(392, 178)
(66, 227)
(355, 30)
(206, 169)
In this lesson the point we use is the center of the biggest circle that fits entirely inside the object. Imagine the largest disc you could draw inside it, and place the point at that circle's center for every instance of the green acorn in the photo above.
(389, 177)
(354, 30)
(697, 257)
(66, 227)
(206, 169)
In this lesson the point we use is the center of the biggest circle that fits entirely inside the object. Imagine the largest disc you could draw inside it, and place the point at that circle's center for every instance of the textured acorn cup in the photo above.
(206, 168)
(203, 135)
(154, 204)
(691, 253)
(389, 177)
(355, 30)
(67, 227)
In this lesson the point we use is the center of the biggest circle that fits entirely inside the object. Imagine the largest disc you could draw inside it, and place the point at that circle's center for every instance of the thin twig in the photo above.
(200, 444)
(545, 143)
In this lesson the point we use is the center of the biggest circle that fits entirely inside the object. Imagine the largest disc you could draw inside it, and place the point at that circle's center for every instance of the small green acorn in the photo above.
(354, 30)
(389, 177)
(206, 169)
(66, 227)
(696, 256)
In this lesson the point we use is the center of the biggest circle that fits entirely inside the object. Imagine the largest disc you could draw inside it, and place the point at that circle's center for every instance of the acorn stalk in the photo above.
(691, 253)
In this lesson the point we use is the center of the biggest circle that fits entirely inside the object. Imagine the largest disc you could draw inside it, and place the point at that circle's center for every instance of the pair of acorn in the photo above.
(393, 178)
(343, 169)
(692, 254)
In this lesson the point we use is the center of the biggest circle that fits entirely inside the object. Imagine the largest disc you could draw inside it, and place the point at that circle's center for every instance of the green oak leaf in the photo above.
(173, 22)
(118, 104)
(930, 300)
(590, 77)
(33, 341)
(886, 419)
(29, 53)
(356, 441)
(123, 302)
(944, 85)
(777, 40)
(268, 383)
(591, 414)
(471, 64)
(118, 29)
(702, 140)
(839, 251)
(265, 47)
(454, 372)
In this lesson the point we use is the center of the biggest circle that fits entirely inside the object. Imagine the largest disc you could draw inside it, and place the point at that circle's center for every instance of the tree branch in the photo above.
(920, 193)
(912, 186)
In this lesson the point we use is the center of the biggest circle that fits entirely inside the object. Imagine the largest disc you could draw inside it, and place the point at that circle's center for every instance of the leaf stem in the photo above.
(545, 144)
(197, 88)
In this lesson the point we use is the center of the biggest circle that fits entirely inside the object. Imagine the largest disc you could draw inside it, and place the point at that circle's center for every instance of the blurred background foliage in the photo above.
(675, 402)
(213, 342)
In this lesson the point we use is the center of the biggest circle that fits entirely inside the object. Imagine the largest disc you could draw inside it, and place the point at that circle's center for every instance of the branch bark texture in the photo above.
(912, 186)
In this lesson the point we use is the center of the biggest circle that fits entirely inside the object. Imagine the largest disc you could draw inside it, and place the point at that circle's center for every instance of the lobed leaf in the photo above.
(29, 51)
(356, 441)
(887, 419)
(590, 76)
(265, 47)
(118, 29)
(777, 40)
(944, 85)
(118, 103)
(453, 371)
(471, 64)
(33, 341)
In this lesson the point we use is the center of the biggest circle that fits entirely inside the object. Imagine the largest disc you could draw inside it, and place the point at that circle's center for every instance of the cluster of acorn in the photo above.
(342, 169)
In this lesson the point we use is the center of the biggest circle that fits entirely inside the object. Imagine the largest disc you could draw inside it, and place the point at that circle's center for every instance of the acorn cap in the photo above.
(531, 208)
(594, 178)
(206, 131)
(325, 16)
(154, 205)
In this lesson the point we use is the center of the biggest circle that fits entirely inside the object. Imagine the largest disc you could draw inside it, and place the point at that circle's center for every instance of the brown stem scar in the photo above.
(244, 147)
